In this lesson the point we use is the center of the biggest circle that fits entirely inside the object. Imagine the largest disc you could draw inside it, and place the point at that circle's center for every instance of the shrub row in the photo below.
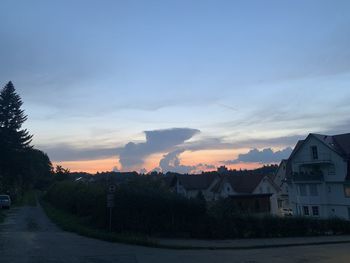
(144, 206)
(140, 206)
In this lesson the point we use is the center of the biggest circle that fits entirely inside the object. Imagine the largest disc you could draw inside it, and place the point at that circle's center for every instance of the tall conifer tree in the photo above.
(12, 137)
(14, 141)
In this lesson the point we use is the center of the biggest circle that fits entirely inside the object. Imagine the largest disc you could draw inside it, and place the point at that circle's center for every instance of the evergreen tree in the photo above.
(12, 137)
(14, 141)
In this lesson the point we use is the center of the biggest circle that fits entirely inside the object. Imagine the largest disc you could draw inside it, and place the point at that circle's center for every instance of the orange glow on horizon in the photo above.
(211, 157)
(90, 166)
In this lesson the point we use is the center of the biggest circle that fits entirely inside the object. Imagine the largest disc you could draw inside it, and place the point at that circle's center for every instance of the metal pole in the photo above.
(110, 219)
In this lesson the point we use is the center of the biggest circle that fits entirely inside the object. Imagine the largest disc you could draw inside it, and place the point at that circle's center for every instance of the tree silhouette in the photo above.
(14, 141)
(11, 119)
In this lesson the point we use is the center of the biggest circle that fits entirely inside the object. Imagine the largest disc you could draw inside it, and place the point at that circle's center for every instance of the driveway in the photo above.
(27, 235)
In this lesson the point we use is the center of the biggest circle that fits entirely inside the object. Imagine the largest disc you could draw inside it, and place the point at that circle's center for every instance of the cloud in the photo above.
(157, 141)
(266, 155)
(171, 162)
(222, 143)
(66, 152)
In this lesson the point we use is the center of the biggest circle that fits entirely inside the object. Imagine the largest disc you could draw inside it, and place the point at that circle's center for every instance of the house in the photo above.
(257, 204)
(190, 186)
(318, 176)
(249, 189)
(282, 196)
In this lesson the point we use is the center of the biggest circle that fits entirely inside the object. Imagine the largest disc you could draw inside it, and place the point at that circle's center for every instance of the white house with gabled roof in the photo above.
(318, 176)
(255, 186)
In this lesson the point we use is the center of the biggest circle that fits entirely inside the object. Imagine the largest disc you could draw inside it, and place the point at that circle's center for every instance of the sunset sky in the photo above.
(176, 85)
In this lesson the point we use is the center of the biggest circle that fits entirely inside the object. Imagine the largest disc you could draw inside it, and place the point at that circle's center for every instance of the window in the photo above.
(315, 211)
(306, 210)
(279, 203)
(314, 152)
(302, 190)
(268, 189)
(347, 190)
(331, 170)
(313, 189)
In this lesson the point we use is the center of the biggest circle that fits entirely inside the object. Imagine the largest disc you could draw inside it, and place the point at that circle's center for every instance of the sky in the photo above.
(181, 85)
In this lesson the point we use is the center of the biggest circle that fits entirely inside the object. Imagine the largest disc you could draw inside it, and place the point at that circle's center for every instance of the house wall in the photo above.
(329, 196)
(208, 194)
(266, 187)
(225, 190)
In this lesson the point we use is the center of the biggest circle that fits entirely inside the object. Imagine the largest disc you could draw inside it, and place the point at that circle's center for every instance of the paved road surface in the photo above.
(28, 236)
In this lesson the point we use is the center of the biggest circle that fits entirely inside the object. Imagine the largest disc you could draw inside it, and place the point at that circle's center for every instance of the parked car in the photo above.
(5, 201)
(287, 212)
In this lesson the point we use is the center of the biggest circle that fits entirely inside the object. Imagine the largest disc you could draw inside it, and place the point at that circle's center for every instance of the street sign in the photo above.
(110, 200)
(110, 203)
(112, 188)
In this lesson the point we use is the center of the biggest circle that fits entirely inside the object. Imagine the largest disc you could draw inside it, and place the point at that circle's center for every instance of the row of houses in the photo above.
(314, 182)
(250, 193)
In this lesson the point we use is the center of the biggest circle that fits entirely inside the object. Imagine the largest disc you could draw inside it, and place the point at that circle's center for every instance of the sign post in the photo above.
(110, 203)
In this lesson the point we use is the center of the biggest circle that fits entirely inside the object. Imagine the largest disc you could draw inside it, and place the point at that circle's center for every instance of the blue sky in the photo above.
(232, 75)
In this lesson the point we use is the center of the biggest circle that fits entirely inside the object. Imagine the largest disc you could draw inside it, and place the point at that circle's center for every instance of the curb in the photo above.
(250, 247)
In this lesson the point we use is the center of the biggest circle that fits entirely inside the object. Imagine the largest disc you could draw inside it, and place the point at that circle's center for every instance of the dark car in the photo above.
(5, 201)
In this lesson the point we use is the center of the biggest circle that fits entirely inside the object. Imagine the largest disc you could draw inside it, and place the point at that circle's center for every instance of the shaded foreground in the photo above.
(27, 235)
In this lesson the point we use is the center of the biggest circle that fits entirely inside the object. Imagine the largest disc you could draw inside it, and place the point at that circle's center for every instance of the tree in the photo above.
(61, 173)
(38, 169)
(14, 141)
(11, 119)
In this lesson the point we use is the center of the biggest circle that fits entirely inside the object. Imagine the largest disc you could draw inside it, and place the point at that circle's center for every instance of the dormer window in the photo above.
(314, 152)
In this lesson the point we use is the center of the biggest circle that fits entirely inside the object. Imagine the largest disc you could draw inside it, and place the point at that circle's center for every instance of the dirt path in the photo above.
(28, 236)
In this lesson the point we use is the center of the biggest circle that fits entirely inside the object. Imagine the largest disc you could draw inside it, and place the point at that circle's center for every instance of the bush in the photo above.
(141, 206)
(144, 206)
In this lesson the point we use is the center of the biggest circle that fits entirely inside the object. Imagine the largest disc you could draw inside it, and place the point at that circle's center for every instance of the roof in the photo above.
(339, 143)
(280, 166)
(169, 180)
(244, 183)
(196, 182)
(342, 141)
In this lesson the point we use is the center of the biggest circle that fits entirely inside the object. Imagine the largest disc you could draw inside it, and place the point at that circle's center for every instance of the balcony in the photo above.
(322, 158)
(308, 176)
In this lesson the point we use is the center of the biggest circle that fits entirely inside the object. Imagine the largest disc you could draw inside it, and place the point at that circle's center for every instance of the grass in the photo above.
(27, 199)
(72, 223)
(2, 216)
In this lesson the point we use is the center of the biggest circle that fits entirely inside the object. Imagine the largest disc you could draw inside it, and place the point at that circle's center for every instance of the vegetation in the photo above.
(73, 223)
(2, 216)
(28, 198)
(141, 206)
(144, 207)
(21, 166)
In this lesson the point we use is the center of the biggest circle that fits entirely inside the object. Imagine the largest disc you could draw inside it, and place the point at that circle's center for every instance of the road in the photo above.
(28, 236)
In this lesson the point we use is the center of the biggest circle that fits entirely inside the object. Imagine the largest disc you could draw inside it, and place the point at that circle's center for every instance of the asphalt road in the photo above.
(27, 235)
